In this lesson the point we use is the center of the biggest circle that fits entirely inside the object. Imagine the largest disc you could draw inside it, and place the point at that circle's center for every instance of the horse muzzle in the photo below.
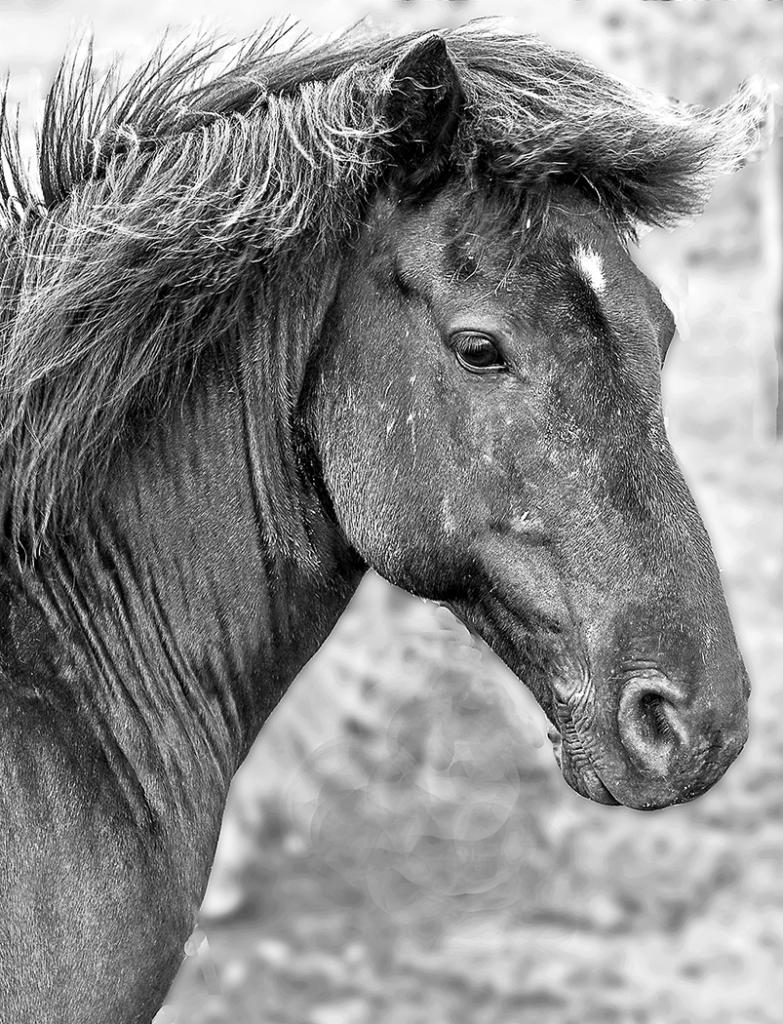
(660, 747)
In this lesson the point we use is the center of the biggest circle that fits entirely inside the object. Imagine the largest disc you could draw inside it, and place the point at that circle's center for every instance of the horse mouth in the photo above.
(575, 763)
(578, 771)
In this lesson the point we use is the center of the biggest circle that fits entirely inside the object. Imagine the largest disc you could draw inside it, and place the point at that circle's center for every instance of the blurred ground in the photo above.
(399, 846)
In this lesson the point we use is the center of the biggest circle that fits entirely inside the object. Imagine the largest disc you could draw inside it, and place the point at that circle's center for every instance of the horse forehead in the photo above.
(446, 237)
(578, 244)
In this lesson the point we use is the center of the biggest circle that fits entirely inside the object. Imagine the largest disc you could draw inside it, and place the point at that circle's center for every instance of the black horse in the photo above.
(363, 305)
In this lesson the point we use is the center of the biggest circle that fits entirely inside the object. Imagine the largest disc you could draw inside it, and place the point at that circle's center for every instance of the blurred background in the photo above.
(400, 846)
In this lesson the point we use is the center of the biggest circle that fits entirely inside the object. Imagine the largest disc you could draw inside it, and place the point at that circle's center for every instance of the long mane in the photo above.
(157, 206)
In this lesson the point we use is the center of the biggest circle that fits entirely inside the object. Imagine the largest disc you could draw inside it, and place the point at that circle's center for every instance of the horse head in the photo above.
(486, 418)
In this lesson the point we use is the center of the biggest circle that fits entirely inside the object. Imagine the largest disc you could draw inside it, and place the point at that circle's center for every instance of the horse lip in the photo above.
(588, 784)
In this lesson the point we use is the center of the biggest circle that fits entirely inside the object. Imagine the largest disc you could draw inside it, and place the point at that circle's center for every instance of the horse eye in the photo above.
(477, 353)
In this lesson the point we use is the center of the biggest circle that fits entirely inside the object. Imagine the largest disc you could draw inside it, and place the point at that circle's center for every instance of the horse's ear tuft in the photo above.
(422, 113)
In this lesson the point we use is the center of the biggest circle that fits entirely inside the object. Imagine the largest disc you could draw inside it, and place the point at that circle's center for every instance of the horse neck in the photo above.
(244, 601)
(188, 609)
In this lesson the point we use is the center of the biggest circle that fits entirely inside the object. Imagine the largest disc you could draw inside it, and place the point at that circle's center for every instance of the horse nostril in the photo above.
(655, 713)
(651, 728)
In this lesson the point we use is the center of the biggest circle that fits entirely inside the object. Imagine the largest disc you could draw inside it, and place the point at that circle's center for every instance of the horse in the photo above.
(274, 315)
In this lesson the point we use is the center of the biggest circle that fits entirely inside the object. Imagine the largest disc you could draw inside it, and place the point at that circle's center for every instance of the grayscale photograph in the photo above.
(391, 489)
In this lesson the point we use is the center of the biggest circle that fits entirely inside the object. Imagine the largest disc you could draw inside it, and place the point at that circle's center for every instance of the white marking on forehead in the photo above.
(591, 267)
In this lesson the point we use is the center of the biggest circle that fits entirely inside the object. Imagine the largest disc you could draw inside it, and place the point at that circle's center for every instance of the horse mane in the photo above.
(158, 205)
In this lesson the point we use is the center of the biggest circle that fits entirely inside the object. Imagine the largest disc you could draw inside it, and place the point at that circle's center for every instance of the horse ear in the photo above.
(422, 111)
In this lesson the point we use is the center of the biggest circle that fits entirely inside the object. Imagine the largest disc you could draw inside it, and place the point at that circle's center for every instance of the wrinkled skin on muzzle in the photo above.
(487, 417)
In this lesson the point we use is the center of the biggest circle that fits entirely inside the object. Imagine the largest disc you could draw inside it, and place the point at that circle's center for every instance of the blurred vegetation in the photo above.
(399, 846)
